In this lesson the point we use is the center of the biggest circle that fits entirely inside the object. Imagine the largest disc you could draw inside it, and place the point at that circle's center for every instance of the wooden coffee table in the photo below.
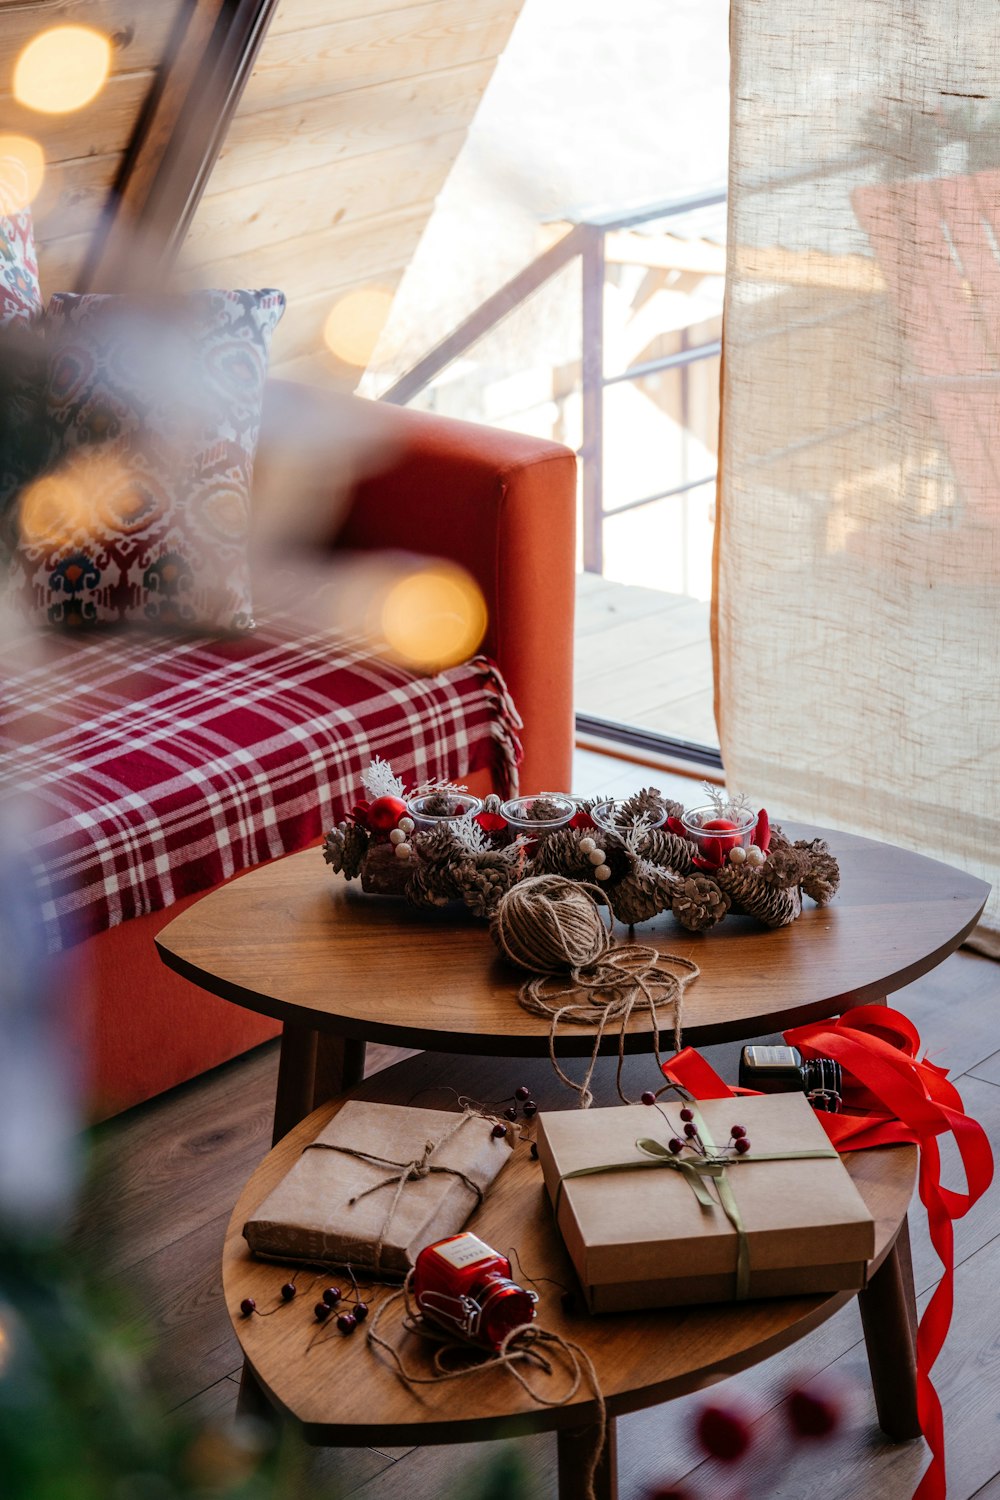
(340, 968)
(344, 1395)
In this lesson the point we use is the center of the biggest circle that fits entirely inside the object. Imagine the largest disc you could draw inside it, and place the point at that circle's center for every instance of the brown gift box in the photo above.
(642, 1239)
(309, 1215)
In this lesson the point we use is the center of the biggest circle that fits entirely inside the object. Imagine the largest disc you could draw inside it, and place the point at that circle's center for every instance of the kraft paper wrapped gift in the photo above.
(641, 1238)
(339, 1200)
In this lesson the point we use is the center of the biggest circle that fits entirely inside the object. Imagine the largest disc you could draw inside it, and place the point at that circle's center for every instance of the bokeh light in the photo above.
(22, 171)
(62, 69)
(355, 322)
(434, 617)
(93, 493)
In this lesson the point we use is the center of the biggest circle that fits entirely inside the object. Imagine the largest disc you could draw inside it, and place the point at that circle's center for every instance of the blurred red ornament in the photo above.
(582, 820)
(385, 812)
(669, 1492)
(359, 814)
(723, 1433)
(812, 1414)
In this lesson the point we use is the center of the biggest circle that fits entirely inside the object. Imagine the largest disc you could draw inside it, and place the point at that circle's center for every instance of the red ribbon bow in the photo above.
(891, 1097)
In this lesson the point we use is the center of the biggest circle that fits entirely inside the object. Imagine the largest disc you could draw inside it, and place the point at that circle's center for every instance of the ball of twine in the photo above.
(551, 925)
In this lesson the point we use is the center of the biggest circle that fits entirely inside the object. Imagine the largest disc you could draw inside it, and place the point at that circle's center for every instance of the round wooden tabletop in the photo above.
(292, 940)
(347, 1395)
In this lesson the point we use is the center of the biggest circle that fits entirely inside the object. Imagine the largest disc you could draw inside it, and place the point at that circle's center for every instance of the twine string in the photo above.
(524, 1347)
(555, 928)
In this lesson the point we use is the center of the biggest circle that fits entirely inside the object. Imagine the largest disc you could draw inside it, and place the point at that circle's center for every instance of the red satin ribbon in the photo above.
(890, 1098)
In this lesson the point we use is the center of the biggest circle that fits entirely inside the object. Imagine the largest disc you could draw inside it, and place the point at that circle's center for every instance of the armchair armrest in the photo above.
(503, 505)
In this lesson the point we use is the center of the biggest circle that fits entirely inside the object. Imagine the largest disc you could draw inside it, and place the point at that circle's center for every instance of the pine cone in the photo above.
(438, 846)
(437, 804)
(822, 878)
(699, 903)
(543, 810)
(481, 884)
(785, 867)
(669, 850)
(345, 848)
(645, 891)
(333, 848)
(649, 803)
(431, 885)
(753, 895)
(560, 854)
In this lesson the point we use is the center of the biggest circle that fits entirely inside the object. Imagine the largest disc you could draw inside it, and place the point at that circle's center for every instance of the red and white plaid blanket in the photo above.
(146, 768)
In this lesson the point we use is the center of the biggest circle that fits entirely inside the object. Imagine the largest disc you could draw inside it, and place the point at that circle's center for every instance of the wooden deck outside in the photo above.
(644, 657)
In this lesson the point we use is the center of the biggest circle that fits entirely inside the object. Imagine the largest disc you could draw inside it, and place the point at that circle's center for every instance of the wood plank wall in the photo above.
(84, 149)
(346, 132)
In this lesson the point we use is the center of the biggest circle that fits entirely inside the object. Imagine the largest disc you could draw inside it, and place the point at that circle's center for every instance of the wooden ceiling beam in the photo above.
(176, 143)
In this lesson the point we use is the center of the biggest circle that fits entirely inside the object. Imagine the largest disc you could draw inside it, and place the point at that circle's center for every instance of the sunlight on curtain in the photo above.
(858, 609)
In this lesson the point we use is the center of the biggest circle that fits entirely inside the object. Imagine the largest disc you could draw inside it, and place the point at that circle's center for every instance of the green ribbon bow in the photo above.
(698, 1172)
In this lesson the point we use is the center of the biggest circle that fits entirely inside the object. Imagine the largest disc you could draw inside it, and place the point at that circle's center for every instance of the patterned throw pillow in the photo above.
(152, 412)
(20, 305)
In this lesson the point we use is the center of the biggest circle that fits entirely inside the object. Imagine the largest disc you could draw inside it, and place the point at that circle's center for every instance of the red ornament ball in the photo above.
(247, 1306)
(522, 1092)
(510, 1113)
(332, 1296)
(647, 1096)
(687, 1114)
(723, 1433)
(360, 1311)
(347, 1323)
(742, 1146)
(675, 1146)
(385, 812)
(530, 1109)
(321, 1312)
(690, 1131)
(812, 1415)
(288, 1291)
(498, 1130)
(738, 1132)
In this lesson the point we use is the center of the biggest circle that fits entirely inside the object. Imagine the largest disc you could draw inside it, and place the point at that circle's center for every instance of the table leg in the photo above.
(576, 1449)
(340, 1065)
(251, 1401)
(889, 1317)
(296, 1078)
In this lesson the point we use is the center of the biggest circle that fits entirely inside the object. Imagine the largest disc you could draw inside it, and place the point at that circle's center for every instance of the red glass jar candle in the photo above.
(466, 1287)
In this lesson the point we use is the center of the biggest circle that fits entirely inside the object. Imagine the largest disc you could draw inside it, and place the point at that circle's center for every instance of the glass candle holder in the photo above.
(716, 835)
(608, 816)
(437, 809)
(540, 813)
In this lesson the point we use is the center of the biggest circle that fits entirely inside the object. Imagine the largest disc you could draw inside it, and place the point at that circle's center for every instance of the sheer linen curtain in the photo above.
(857, 615)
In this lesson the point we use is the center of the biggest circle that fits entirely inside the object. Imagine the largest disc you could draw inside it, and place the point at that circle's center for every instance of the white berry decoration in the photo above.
(402, 851)
(397, 836)
(587, 846)
(737, 855)
(596, 856)
(602, 872)
(406, 825)
(755, 856)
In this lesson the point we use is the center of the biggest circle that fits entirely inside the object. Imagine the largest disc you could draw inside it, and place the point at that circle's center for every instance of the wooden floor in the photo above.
(644, 658)
(169, 1172)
